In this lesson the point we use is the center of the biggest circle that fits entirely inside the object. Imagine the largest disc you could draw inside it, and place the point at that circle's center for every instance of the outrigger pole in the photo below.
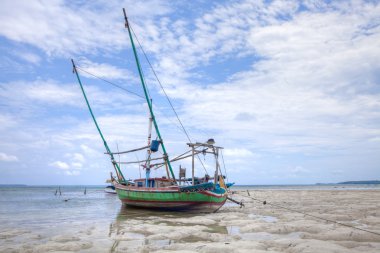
(116, 166)
(147, 97)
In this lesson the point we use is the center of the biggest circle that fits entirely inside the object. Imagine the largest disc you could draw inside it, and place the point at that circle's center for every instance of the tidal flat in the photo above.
(97, 222)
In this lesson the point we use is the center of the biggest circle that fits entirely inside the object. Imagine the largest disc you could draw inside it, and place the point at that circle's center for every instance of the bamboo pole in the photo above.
(192, 165)
(216, 165)
(167, 170)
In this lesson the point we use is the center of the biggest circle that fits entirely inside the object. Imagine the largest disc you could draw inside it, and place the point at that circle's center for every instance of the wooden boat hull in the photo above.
(170, 198)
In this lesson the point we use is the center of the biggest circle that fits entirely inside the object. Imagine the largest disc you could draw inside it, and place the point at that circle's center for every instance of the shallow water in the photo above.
(34, 207)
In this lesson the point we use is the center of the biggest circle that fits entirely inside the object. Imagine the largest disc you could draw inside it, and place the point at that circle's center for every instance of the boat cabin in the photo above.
(153, 182)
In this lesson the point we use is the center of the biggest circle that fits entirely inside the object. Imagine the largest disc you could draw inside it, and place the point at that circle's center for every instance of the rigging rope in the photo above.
(122, 88)
(224, 165)
(171, 121)
(311, 215)
(166, 95)
(114, 84)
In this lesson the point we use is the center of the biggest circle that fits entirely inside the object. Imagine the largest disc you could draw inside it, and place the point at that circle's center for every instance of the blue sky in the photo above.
(291, 89)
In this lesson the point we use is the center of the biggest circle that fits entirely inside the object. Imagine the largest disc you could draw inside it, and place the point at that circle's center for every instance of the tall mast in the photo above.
(147, 164)
(116, 166)
(147, 97)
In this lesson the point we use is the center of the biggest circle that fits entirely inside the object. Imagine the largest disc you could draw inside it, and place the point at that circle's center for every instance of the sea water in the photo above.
(32, 207)
(38, 215)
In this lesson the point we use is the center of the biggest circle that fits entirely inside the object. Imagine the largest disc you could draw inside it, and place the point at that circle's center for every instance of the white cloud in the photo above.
(36, 96)
(299, 170)
(60, 165)
(8, 158)
(28, 56)
(61, 28)
(21, 93)
(78, 157)
(238, 152)
(7, 121)
(77, 161)
(302, 94)
(72, 173)
(88, 151)
(72, 169)
(77, 165)
(104, 70)
(52, 93)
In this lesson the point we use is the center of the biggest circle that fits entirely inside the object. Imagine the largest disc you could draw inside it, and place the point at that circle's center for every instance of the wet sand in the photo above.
(253, 228)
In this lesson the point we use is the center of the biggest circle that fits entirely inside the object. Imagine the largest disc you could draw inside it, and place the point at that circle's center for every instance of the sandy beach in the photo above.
(253, 228)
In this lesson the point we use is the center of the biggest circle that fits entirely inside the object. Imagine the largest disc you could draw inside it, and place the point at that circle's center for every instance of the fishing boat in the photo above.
(166, 192)
(110, 188)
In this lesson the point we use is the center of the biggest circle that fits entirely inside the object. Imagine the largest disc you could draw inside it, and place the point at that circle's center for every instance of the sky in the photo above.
(290, 89)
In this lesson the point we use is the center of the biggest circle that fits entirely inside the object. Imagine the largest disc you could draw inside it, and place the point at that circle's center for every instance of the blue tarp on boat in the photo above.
(198, 187)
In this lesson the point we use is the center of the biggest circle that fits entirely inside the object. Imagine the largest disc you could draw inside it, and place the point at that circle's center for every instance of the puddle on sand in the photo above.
(192, 239)
(263, 218)
(161, 243)
(233, 230)
(133, 236)
(137, 243)
(261, 236)
(265, 236)
(217, 229)
(230, 204)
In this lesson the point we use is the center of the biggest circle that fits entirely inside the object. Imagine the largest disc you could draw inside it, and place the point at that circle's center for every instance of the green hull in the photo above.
(170, 198)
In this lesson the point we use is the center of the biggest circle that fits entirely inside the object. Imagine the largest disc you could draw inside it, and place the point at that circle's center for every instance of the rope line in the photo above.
(166, 95)
(114, 84)
(311, 215)
(224, 165)
(171, 121)
(159, 82)
(122, 88)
